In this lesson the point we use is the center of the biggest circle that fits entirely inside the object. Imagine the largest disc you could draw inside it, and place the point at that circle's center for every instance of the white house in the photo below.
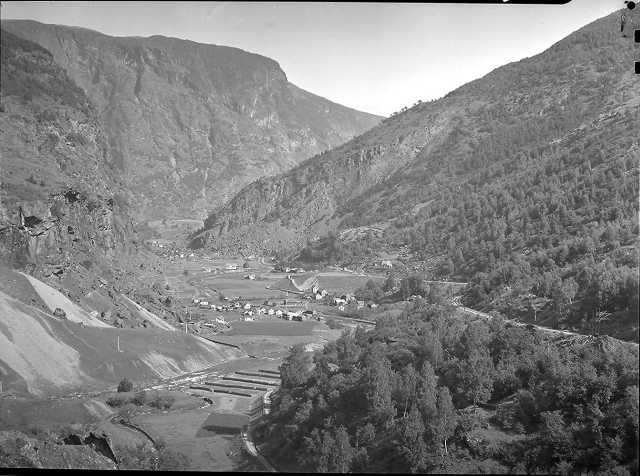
(196, 301)
(271, 312)
(247, 306)
(339, 301)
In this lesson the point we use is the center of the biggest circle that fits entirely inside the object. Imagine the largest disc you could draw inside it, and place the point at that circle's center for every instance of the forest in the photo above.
(431, 392)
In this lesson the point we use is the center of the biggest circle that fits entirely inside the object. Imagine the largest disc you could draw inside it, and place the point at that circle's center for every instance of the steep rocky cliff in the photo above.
(395, 174)
(189, 124)
(64, 212)
(61, 201)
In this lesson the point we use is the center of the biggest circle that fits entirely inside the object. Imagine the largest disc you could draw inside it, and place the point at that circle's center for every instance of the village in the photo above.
(303, 300)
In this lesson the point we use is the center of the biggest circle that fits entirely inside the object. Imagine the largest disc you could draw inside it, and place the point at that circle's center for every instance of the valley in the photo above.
(205, 267)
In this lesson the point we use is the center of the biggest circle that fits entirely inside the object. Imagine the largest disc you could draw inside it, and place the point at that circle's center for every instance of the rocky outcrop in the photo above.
(18, 450)
(62, 202)
(190, 124)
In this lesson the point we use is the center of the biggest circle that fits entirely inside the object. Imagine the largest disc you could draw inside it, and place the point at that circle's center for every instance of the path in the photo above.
(253, 451)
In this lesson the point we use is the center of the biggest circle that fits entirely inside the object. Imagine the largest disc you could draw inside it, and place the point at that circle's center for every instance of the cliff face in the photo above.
(61, 202)
(395, 173)
(190, 124)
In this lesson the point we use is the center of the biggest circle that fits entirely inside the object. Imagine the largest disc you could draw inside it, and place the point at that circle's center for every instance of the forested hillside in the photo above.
(430, 392)
(524, 182)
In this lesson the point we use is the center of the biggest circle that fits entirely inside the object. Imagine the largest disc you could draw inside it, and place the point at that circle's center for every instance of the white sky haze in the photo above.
(376, 57)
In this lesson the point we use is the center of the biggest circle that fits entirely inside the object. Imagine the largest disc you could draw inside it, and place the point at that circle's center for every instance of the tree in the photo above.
(476, 376)
(125, 385)
(445, 420)
(295, 369)
(427, 391)
(344, 452)
(380, 379)
(413, 447)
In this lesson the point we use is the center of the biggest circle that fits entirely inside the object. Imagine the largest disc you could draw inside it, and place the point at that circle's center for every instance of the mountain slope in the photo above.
(188, 123)
(500, 181)
(61, 199)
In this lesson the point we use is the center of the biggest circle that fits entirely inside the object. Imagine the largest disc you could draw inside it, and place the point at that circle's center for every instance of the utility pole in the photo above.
(118, 343)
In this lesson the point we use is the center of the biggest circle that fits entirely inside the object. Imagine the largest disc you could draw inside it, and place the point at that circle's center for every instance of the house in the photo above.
(204, 305)
(247, 306)
(250, 276)
(341, 307)
(196, 301)
(279, 313)
(318, 297)
(373, 305)
(339, 301)
(271, 312)
(386, 263)
(360, 304)
(230, 267)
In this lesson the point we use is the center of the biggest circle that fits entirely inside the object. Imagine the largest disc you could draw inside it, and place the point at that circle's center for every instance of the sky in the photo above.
(375, 57)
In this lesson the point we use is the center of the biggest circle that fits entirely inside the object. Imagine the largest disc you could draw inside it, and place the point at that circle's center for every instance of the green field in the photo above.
(272, 328)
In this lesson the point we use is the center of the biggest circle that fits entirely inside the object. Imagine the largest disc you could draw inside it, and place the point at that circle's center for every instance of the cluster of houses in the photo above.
(250, 312)
(346, 299)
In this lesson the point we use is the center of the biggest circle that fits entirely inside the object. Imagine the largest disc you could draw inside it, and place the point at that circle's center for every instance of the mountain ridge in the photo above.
(190, 123)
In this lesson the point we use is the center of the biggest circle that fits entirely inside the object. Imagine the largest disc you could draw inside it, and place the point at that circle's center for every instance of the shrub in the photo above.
(125, 385)
(117, 401)
(332, 323)
(140, 398)
(163, 402)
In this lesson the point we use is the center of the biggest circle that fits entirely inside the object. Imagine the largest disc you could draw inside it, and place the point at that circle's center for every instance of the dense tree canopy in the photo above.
(410, 396)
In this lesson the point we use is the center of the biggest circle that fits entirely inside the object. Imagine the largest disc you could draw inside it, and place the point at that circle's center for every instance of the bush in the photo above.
(125, 385)
(332, 323)
(163, 402)
(140, 398)
(117, 401)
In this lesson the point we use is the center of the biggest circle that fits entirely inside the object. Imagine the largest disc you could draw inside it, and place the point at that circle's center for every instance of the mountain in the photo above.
(62, 200)
(517, 181)
(189, 124)
(65, 214)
